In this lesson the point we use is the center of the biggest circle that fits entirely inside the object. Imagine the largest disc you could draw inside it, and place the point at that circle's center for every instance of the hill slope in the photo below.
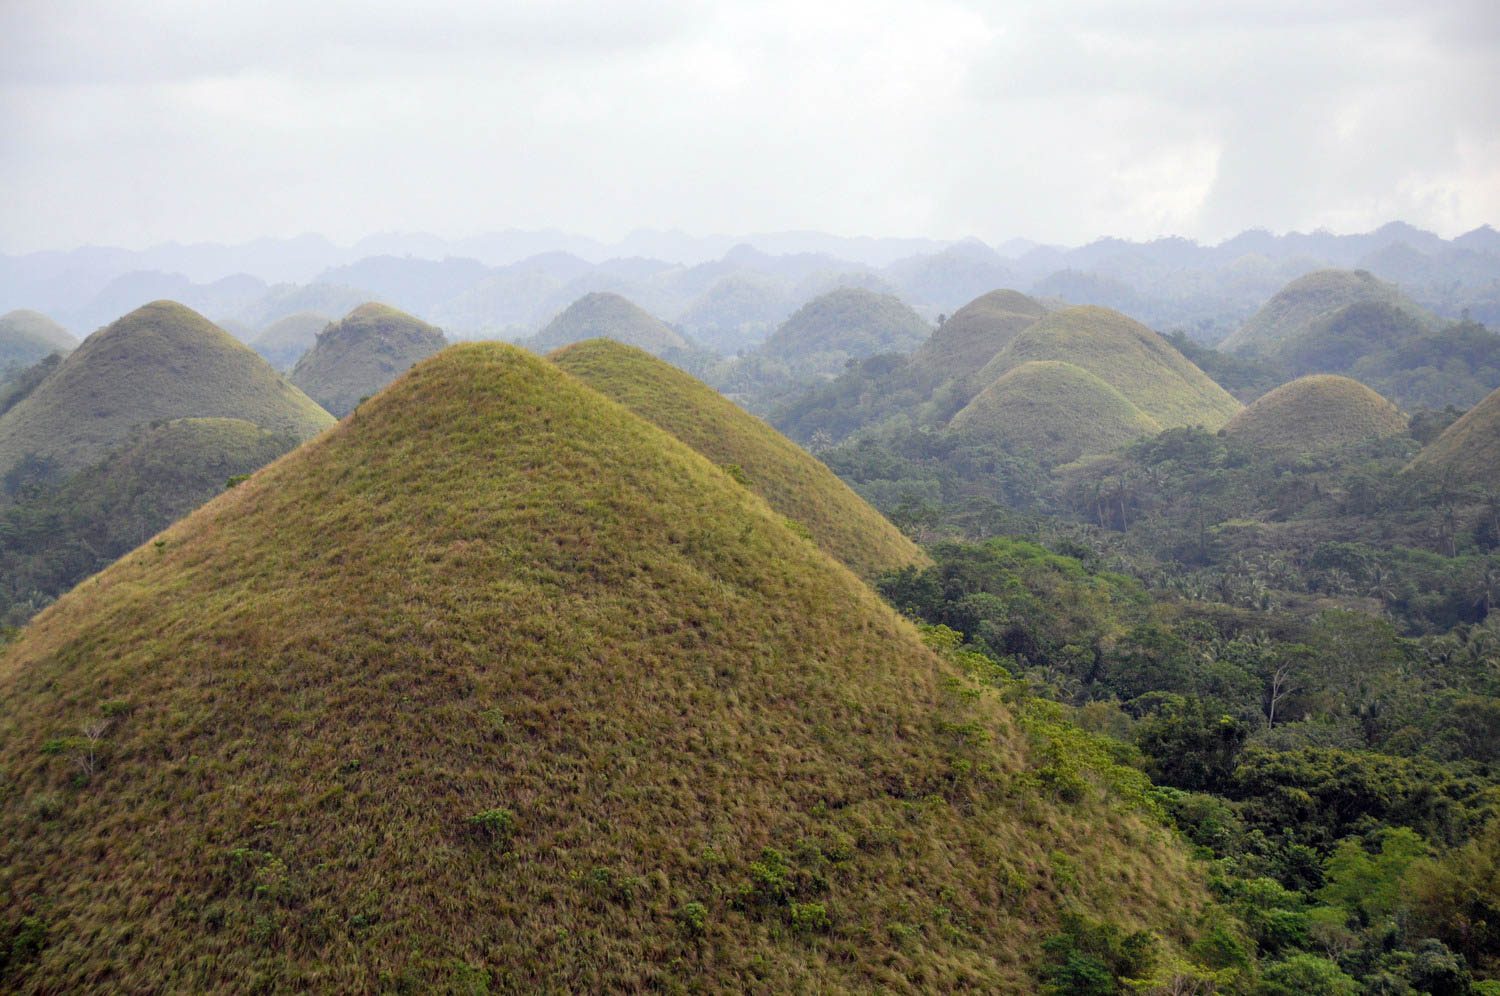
(161, 361)
(969, 339)
(843, 324)
(1126, 355)
(499, 684)
(1468, 451)
(363, 352)
(788, 478)
(1318, 412)
(284, 342)
(1054, 410)
(53, 540)
(1299, 305)
(27, 336)
(603, 315)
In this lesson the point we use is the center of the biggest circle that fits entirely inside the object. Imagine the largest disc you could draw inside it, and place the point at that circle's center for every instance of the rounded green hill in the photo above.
(1468, 451)
(787, 477)
(497, 683)
(843, 324)
(1055, 411)
(1315, 413)
(358, 355)
(28, 336)
(972, 336)
(1127, 356)
(284, 342)
(602, 315)
(1300, 305)
(160, 362)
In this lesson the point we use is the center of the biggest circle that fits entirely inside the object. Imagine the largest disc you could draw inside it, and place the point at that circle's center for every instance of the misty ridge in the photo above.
(729, 293)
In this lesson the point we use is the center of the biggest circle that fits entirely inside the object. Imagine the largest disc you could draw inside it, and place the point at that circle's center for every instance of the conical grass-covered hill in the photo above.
(845, 323)
(28, 336)
(972, 336)
(603, 315)
(1316, 413)
(1301, 304)
(162, 361)
(358, 355)
(499, 684)
(284, 342)
(1056, 411)
(1127, 356)
(1468, 451)
(790, 480)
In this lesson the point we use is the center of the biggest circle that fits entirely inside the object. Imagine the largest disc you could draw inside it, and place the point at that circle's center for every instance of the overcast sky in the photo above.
(131, 122)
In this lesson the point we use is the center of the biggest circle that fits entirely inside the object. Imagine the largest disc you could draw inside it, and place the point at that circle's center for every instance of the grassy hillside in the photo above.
(1055, 411)
(972, 336)
(608, 316)
(1306, 301)
(1131, 358)
(1315, 413)
(1468, 451)
(498, 684)
(52, 539)
(284, 342)
(161, 361)
(843, 324)
(358, 355)
(27, 336)
(792, 482)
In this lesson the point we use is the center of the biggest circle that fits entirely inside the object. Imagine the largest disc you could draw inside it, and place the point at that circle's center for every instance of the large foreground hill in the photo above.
(500, 684)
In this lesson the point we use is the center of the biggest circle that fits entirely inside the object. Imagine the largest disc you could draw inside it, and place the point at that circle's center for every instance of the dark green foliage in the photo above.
(1094, 957)
(1191, 747)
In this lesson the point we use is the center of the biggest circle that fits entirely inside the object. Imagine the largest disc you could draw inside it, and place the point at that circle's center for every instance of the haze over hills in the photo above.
(27, 336)
(769, 464)
(844, 324)
(1055, 411)
(498, 681)
(283, 342)
(609, 316)
(161, 361)
(482, 287)
(1315, 413)
(1137, 362)
(364, 351)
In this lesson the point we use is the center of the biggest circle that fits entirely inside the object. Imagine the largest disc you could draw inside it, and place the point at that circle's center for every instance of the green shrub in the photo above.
(497, 825)
(810, 918)
(692, 918)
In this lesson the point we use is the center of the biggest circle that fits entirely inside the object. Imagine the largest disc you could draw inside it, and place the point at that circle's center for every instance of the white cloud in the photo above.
(134, 121)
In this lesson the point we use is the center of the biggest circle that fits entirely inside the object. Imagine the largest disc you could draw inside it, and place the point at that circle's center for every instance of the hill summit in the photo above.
(358, 355)
(499, 684)
(602, 315)
(27, 336)
(1314, 413)
(162, 361)
(972, 336)
(1301, 305)
(845, 323)
(790, 480)
(1055, 411)
(1126, 355)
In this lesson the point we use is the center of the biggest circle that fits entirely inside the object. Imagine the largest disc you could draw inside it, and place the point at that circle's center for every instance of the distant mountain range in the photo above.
(732, 291)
